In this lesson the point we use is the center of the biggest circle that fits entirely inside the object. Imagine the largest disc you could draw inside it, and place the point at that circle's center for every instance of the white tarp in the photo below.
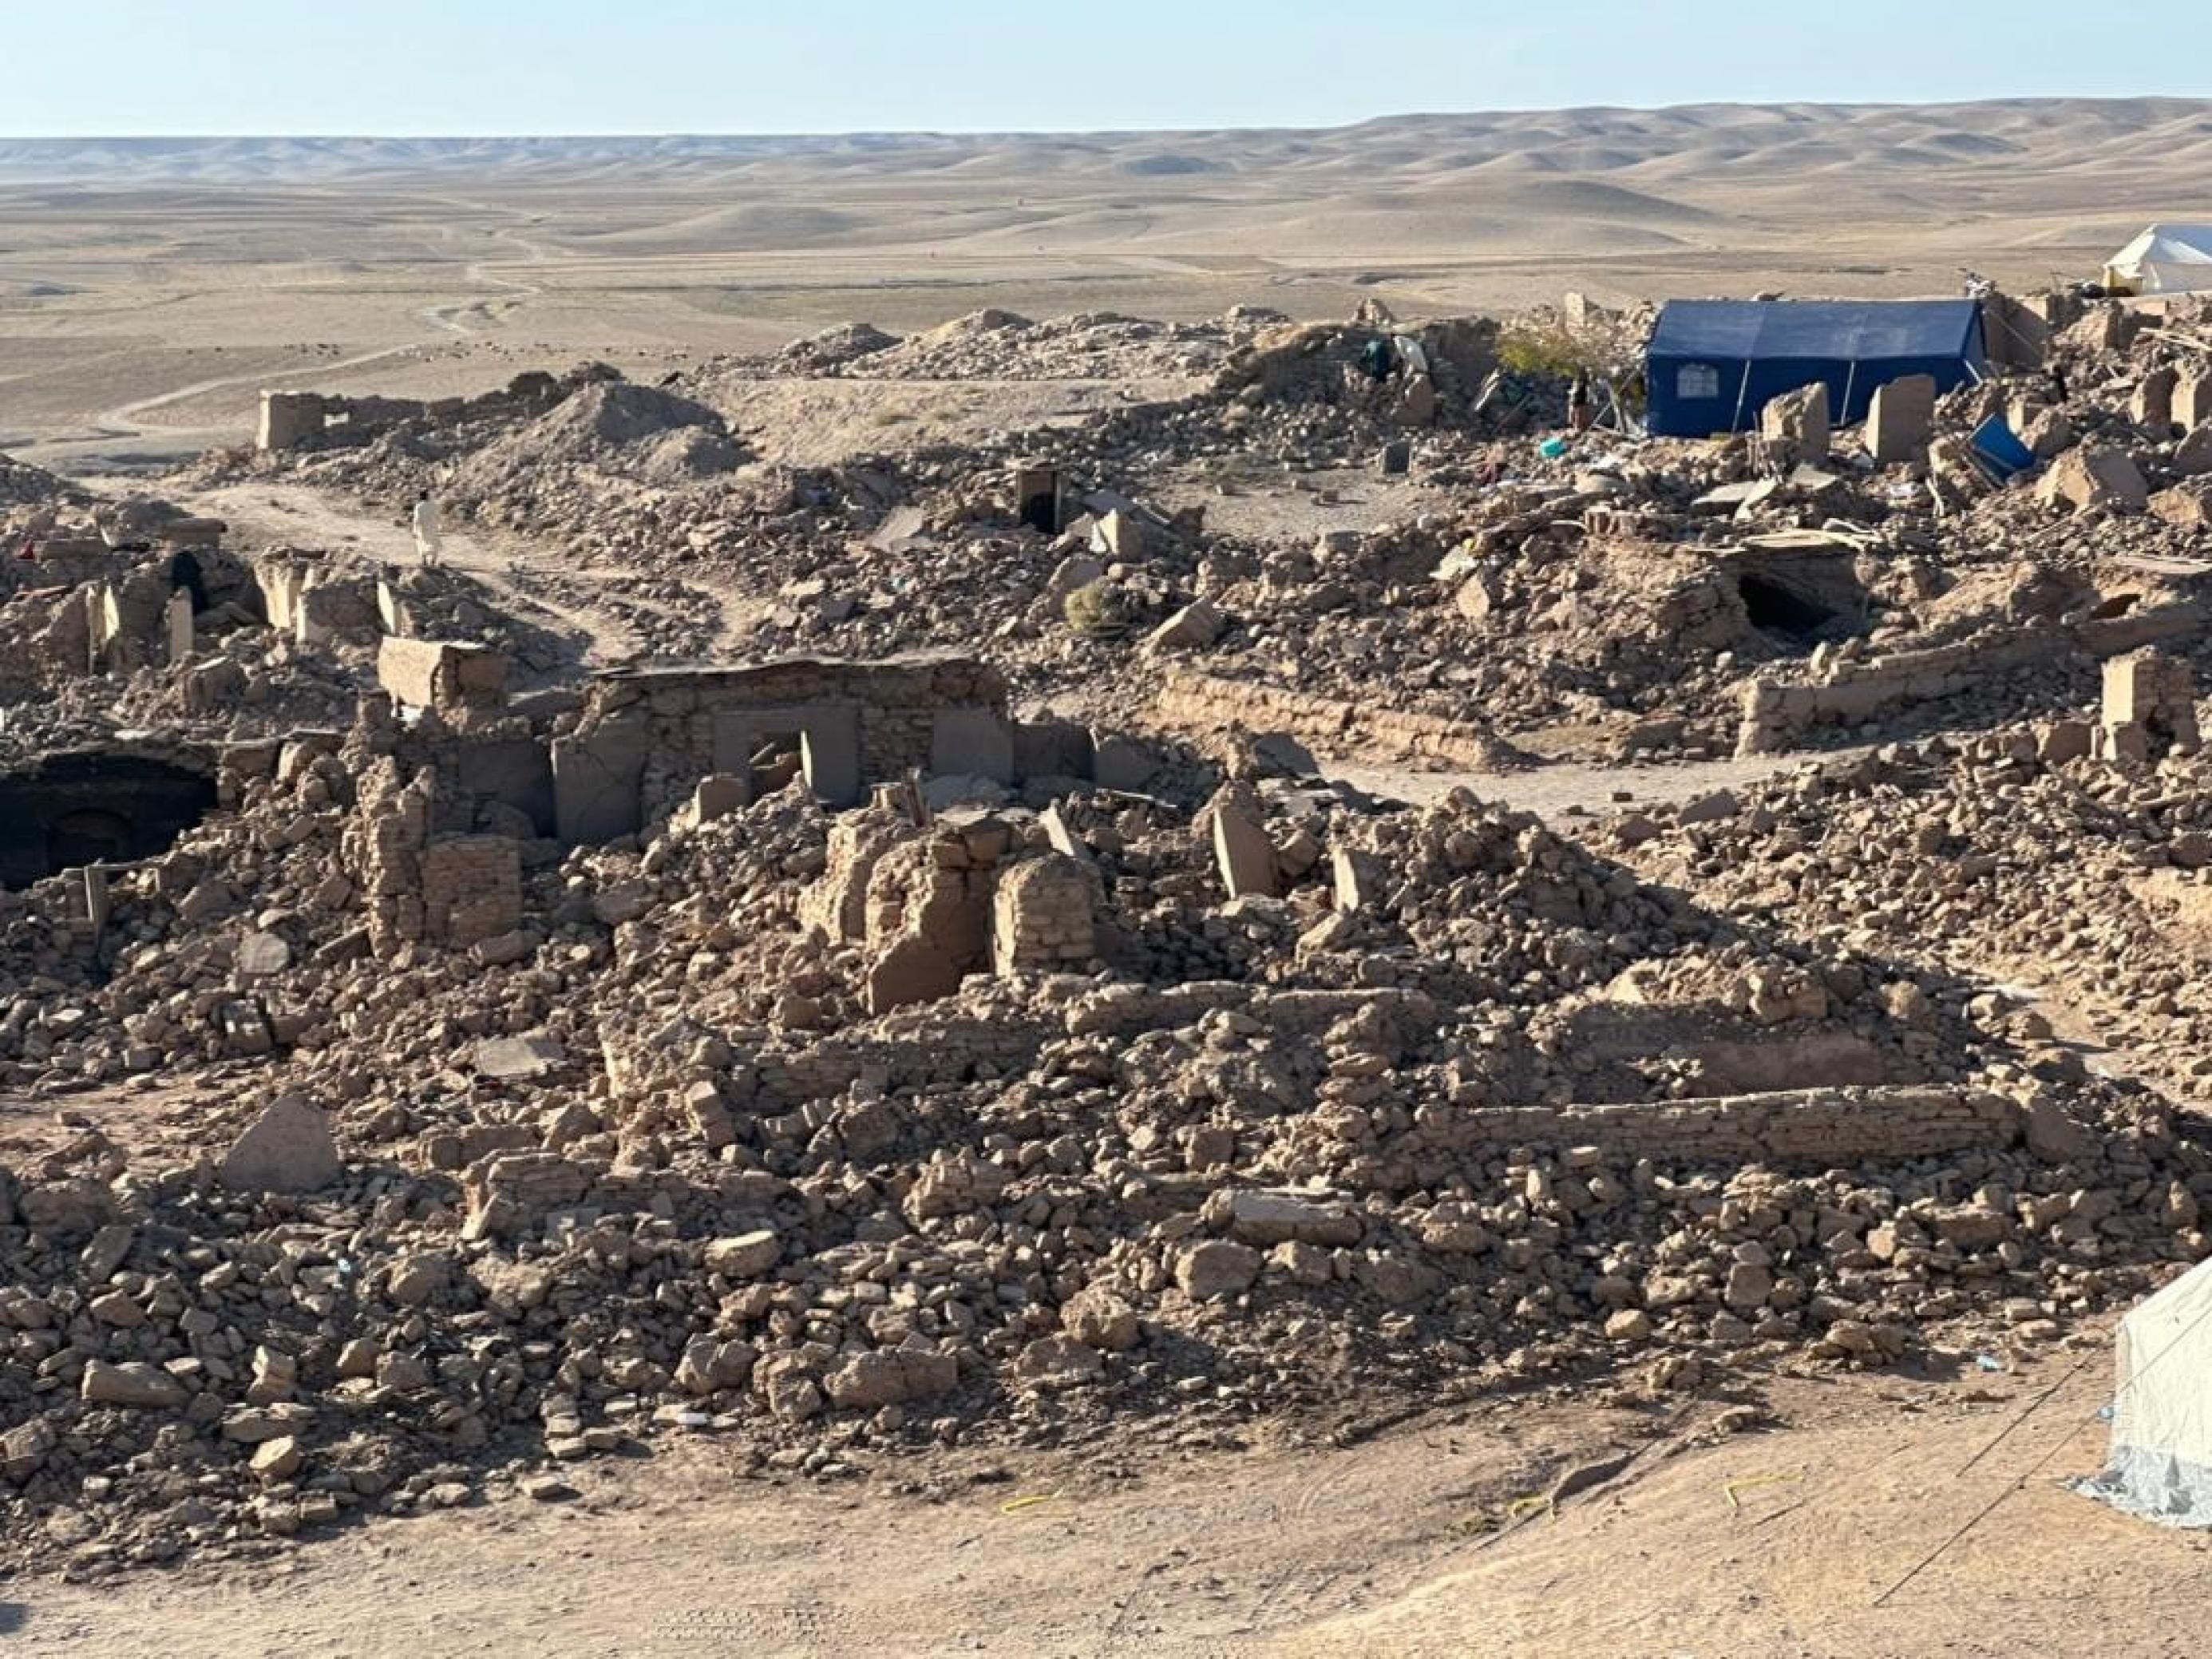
(2165, 259)
(2161, 1462)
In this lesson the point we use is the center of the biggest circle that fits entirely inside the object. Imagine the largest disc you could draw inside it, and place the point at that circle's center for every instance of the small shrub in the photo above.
(1098, 612)
(1548, 349)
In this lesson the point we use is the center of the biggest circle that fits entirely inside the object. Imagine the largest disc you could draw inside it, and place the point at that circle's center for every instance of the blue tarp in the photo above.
(1713, 363)
(2001, 446)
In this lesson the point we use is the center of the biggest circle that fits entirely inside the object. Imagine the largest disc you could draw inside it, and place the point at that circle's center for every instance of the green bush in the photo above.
(1098, 612)
(1548, 349)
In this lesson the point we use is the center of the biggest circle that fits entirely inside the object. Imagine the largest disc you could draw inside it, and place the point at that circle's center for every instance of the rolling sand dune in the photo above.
(146, 284)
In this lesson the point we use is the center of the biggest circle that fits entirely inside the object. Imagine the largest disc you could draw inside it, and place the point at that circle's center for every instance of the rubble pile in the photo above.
(1611, 594)
(2018, 859)
(694, 1142)
(1002, 345)
(608, 427)
(972, 1016)
(24, 485)
(131, 615)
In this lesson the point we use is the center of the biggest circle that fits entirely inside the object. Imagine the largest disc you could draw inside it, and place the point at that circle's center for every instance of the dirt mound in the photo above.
(1002, 345)
(23, 484)
(832, 350)
(620, 427)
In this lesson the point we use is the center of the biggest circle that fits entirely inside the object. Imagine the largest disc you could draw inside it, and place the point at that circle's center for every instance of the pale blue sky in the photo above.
(468, 67)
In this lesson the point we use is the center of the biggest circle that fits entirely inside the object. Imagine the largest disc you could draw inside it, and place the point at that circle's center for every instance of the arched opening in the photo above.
(184, 572)
(95, 807)
(91, 835)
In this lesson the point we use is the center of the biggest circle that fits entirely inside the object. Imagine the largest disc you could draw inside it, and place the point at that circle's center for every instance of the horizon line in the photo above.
(696, 134)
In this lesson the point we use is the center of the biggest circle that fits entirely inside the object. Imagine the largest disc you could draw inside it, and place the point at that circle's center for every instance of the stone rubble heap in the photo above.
(499, 1076)
(653, 1151)
(1616, 593)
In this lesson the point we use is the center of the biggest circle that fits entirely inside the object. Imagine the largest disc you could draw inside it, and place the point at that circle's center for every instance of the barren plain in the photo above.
(149, 288)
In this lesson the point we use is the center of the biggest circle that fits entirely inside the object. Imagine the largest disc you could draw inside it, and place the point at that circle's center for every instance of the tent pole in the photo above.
(1743, 391)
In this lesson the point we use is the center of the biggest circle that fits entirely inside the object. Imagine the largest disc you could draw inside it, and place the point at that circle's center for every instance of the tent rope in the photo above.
(2040, 1463)
(2041, 1400)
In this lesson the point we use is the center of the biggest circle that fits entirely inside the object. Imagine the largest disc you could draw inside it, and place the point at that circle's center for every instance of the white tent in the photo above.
(2161, 1462)
(2164, 260)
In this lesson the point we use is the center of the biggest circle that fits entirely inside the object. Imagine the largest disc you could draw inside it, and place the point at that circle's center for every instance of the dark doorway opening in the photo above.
(1777, 608)
(184, 572)
(1037, 490)
(89, 835)
(94, 807)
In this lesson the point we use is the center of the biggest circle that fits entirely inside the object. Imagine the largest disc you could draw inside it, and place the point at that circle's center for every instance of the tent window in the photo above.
(1697, 380)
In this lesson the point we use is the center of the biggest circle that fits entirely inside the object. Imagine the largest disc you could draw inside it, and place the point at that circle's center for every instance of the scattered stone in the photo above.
(287, 1150)
(133, 1383)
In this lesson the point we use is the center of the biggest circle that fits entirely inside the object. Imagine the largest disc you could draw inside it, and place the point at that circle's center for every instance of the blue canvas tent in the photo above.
(1712, 364)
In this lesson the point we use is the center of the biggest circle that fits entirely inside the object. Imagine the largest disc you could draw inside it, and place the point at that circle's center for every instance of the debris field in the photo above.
(933, 984)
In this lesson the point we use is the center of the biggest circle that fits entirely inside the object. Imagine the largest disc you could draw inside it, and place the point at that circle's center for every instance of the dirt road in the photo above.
(1562, 790)
(1434, 1539)
(624, 613)
(1834, 1540)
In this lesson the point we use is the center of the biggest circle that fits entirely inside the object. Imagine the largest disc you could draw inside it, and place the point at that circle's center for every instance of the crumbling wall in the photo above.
(1852, 690)
(1817, 1126)
(928, 913)
(645, 737)
(1043, 916)
(837, 903)
(440, 674)
(304, 599)
(1207, 703)
(2149, 706)
(304, 420)
(419, 889)
(471, 890)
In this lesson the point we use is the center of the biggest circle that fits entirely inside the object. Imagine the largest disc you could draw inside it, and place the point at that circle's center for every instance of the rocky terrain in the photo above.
(871, 964)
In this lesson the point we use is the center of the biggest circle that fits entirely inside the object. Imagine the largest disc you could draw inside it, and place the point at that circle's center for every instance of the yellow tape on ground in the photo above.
(1732, 1487)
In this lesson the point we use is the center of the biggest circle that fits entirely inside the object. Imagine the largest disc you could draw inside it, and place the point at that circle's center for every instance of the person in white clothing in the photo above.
(428, 546)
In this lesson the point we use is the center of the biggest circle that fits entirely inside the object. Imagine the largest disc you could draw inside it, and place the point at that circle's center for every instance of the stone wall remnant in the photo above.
(645, 737)
(2149, 706)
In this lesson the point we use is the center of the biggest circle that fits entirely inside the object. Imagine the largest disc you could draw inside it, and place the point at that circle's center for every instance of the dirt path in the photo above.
(1424, 1541)
(683, 1556)
(1801, 1544)
(602, 602)
(1563, 789)
(122, 422)
(494, 309)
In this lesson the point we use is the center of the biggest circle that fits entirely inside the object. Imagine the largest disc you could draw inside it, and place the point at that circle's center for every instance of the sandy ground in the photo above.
(1431, 1538)
(145, 303)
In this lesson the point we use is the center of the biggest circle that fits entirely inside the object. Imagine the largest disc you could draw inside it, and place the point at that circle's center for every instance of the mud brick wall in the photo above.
(1823, 1127)
(1195, 703)
(1043, 916)
(645, 738)
(471, 888)
(1849, 693)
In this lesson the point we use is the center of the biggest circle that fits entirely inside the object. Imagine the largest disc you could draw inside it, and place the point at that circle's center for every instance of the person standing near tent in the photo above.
(429, 546)
(1579, 401)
